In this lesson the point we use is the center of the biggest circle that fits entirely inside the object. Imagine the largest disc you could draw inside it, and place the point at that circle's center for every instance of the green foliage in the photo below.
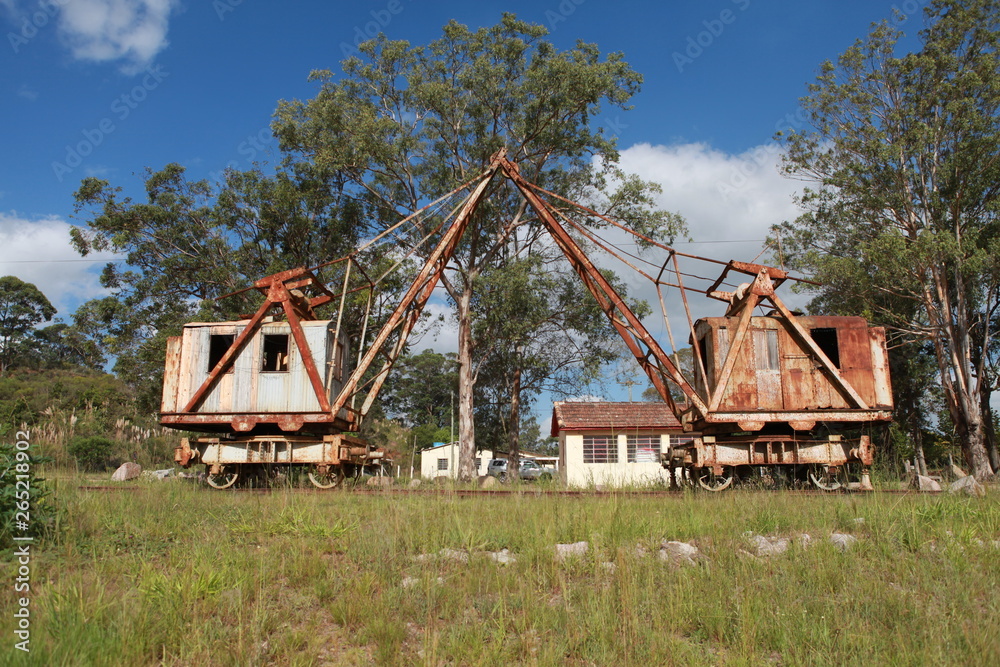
(291, 578)
(406, 123)
(22, 306)
(24, 494)
(190, 242)
(93, 453)
(422, 389)
(902, 212)
(426, 435)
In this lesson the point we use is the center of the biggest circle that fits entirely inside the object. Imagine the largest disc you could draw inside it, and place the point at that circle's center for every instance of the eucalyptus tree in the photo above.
(187, 242)
(538, 330)
(22, 308)
(405, 124)
(903, 162)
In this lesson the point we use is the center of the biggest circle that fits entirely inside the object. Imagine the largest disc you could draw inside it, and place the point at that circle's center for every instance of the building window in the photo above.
(218, 345)
(826, 340)
(275, 353)
(643, 448)
(600, 449)
(442, 464)
(681, 440)
(479, 463)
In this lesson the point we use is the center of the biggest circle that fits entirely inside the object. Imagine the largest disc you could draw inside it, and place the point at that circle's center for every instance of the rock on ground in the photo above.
(379, 481)
(126, 471)
(926, 484)
(504, 556)
(769, 546)
(842, 541)
(414, 483)
(967, 485)
(487, 482)
(564, 551)
(679, 553)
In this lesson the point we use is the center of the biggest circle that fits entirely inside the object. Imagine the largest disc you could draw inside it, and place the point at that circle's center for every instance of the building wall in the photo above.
(442, 461)
(580, 470)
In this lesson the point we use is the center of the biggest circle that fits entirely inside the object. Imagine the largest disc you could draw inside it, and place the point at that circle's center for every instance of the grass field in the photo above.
(174, 574)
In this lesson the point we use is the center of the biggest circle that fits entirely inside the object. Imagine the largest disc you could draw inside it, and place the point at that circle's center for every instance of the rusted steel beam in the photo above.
(804, 338)
(632, 330)
(414, 298)
(307, 359)
(735, 349)
(229, 357)
(829, 416)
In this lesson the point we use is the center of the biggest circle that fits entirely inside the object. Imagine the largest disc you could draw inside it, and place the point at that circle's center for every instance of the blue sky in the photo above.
(110, 87)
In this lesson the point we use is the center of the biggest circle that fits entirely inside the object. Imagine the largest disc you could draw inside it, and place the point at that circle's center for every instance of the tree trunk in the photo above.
(919, 462)
(974, 448)
(514, 450)
(466, 381)
(989, 428)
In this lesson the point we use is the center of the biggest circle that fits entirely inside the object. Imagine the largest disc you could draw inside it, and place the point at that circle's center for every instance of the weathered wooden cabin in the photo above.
(266, 388)
(777, 376)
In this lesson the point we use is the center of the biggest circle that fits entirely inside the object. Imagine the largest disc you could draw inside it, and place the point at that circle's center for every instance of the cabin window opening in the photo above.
(705, 363)
(766, 349)
(826, 340)
(600, 449)
(218, 345)
(275, 353)
(442, 464)
(338, 361)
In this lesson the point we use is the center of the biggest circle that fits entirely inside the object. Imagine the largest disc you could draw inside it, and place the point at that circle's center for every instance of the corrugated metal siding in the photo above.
(247, 389)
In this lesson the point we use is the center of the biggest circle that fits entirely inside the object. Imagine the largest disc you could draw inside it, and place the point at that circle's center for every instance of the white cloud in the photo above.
(438, 330)
(729, 202)
(27, 93)
(37, 251)
(131, 31)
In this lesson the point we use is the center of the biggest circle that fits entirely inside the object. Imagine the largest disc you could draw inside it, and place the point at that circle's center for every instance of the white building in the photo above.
(441, 460)
(614, 444)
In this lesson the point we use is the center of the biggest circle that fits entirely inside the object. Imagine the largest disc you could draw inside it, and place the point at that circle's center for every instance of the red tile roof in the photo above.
(584, 416)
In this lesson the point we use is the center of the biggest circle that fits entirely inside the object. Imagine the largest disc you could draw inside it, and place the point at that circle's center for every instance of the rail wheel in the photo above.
(825, 480)
(223, 479)
(708, 480)
(332, 477)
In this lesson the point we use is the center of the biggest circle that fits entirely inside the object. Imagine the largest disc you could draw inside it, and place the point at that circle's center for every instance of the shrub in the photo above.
(93, 453)
(25, 508)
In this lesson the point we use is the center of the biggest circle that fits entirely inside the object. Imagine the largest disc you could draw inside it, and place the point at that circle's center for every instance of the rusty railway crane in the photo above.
(776, 390)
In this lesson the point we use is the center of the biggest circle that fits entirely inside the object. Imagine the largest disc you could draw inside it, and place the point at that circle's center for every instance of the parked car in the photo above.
(529, 470)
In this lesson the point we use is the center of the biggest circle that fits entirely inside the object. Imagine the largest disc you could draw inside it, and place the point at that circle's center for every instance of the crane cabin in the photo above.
(264, 388)
(776, 373)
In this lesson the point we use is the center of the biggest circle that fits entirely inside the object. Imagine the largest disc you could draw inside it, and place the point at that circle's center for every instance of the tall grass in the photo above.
(175, 574)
